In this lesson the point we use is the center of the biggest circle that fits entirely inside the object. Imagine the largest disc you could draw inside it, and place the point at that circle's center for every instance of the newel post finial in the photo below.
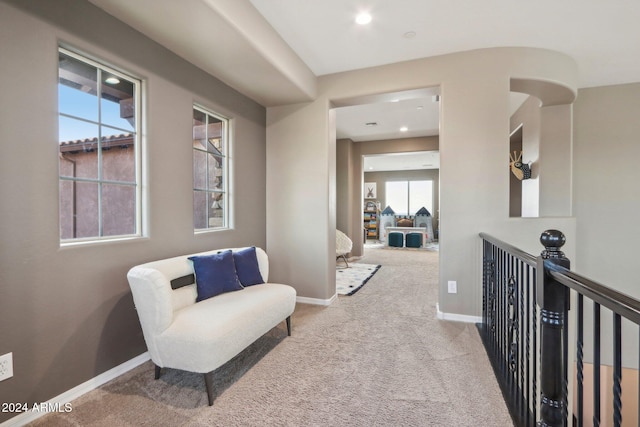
(552, 240)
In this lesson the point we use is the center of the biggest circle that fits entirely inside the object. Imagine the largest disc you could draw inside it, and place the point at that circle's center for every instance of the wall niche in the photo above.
(515, 185)
(540, 129)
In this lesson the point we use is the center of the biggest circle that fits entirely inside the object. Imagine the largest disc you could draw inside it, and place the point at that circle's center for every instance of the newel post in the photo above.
(552, 297)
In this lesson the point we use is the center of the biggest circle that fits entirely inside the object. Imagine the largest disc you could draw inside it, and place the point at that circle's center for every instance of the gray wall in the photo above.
(66, 313)
(344, 186)
(606, 197)
(606, 191)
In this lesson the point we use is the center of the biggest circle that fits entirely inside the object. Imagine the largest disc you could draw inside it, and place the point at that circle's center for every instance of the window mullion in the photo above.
(99, 154)
(408, 197)
(96, 181)
(93, 122)
(137, 155)
(206, 171)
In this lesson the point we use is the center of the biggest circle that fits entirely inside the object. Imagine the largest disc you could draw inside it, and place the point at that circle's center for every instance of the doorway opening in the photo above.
(392, 137)
(407, 196)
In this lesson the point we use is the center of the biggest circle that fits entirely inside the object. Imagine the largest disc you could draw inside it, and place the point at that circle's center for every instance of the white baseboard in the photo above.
(66, 397)
(457, 317)
(317, 301)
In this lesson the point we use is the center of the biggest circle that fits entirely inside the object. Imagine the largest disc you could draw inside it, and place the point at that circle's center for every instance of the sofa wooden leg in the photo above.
(158, 369)
(288, 325)
(208, 381)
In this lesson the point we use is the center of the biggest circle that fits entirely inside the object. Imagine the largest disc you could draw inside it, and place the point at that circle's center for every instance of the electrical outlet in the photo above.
(6, 366)
(453, 287)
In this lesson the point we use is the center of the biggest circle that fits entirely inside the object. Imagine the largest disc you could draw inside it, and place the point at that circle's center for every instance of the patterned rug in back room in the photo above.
(350, 280)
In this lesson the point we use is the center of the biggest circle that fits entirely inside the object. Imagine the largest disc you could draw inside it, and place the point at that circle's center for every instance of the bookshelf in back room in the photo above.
(371, 218)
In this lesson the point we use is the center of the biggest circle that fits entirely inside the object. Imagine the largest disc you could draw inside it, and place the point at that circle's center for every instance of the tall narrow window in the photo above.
(210, 145)
(98, 150)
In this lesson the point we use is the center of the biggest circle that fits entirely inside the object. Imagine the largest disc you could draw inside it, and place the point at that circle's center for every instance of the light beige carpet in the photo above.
(377, 358)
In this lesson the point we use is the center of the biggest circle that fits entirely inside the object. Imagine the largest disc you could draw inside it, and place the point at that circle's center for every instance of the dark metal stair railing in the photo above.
(509, 328)
(622, 307)
(525, 331)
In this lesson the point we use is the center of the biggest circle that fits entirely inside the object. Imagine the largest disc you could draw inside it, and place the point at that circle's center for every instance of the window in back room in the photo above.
(407, 197)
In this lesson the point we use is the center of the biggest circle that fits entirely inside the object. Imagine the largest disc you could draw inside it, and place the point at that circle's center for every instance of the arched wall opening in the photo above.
(540, 147)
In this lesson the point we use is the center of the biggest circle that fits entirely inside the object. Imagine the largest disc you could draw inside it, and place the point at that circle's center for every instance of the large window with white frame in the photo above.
(98, 150)
(407, 197)
(210, 170)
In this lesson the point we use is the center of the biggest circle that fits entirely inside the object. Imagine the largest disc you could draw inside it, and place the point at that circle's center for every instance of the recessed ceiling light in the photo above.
(363, 18)
(395, 100)
(409, 34)
(420, 107)
(404, 129)
(370, 167)
(112, 80)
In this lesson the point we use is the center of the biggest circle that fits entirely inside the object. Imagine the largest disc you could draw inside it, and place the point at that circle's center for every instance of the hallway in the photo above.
(377, 358)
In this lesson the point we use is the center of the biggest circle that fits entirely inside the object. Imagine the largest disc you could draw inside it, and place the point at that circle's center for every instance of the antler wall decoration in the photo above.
(519, 169)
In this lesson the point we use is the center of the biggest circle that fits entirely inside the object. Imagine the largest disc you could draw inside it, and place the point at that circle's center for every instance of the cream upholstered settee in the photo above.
(184, 332)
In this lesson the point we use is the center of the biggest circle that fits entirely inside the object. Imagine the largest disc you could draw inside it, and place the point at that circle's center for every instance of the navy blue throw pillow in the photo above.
(247, 267)
(215, 274)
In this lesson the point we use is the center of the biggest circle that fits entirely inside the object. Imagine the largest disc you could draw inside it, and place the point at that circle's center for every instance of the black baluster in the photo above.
(499, 309)
(500, 312)
(596, 364)
(522, 339)
(494, 296)
(552, 298)
(534, 352)
(617, 370)
(580, 360)
(485, 287)
(528, 349)
(565, 357)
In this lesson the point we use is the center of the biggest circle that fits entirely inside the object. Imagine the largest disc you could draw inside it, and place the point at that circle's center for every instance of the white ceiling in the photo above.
(272, 50)
(599, 35)
(602, 36)
(402, 161)
(417, 110)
